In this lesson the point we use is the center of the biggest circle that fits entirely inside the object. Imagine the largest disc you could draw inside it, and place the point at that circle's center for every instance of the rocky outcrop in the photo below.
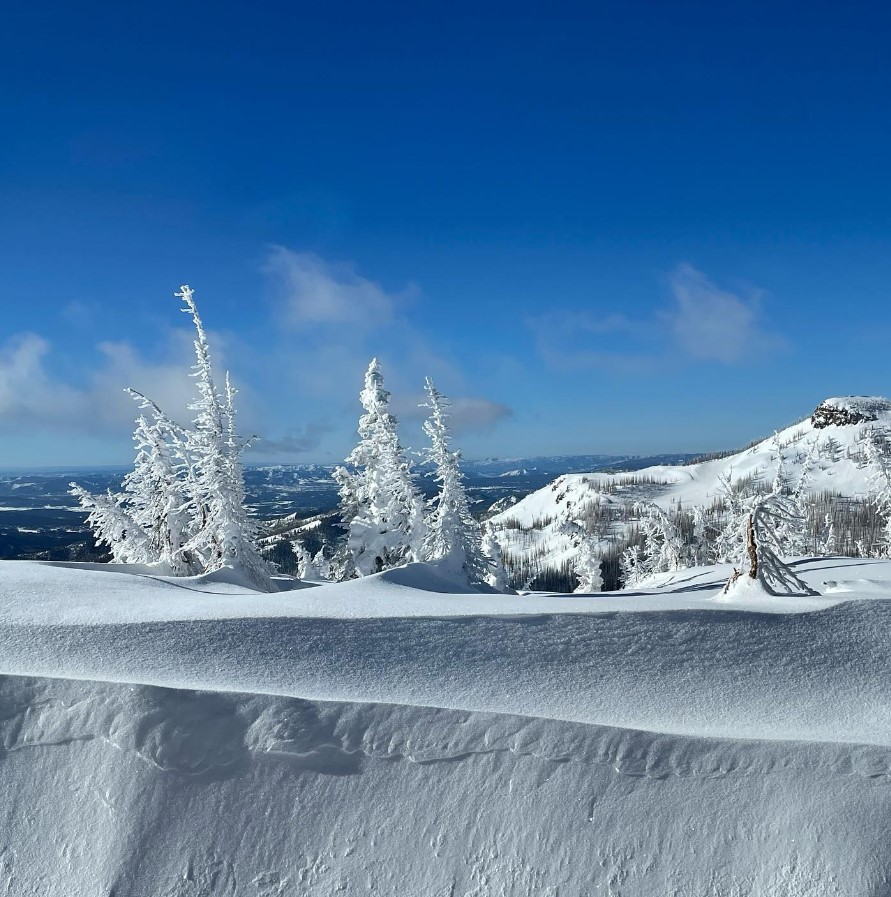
(849, 411)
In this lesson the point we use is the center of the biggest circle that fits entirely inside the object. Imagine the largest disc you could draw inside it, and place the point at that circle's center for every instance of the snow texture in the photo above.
(394, 735)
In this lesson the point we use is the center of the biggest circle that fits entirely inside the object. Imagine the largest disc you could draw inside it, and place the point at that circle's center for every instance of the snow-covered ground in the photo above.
(392, 736)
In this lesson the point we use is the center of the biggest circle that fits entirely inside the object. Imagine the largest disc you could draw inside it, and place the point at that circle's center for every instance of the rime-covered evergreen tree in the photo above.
(182, 507)
(588, 567)
(880, 481)
(453, 539)
(157, 489)
(114, 526)
(497, 577)
(380, 505)
(770, 516)
(225, 535)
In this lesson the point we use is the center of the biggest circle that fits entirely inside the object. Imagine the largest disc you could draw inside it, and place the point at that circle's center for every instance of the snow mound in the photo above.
(678, 659)
(394, 736)
(150, 792)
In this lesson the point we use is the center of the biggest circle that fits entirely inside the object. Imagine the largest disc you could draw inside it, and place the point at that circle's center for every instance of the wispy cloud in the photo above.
(313, 292)
(703, 323)
(714, 324)
(32, 397)
(309, 440)
(468, 414)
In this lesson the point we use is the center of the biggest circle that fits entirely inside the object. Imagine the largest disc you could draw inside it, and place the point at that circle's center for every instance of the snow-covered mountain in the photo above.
(391, 736)
(828, 444)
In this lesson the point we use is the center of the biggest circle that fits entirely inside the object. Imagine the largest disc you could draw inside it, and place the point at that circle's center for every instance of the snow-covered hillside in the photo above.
(392, 736)
(830, 444)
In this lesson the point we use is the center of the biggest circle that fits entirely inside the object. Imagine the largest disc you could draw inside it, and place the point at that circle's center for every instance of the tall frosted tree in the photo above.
(182, 507)
(454, 538)
(225, 535)
(380, 504)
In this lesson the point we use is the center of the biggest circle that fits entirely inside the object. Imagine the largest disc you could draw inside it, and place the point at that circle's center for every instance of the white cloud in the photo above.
(28, 395)
(313, 292)
(715, 324)
(31, 397)
(705, 323)
(468, 414)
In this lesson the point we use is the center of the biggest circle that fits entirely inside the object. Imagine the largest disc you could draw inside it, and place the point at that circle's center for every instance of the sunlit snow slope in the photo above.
(390, 736)
(830, 441)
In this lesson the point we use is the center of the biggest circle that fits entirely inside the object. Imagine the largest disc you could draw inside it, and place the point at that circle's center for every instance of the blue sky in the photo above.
(601, 227)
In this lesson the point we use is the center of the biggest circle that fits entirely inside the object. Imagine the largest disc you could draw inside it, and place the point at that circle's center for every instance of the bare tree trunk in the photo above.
(752, 548)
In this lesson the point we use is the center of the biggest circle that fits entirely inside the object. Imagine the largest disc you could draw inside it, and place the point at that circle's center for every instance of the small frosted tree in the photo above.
(453, 538)
(662, 549)
(880, 484)
(588, 567)
(633, 567)
(157, 490)
(730, 546)
(762, 528)
(381, 508)
(497, 577)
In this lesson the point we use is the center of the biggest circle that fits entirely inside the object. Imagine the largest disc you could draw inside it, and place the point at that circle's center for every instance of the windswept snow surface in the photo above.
(393, 736)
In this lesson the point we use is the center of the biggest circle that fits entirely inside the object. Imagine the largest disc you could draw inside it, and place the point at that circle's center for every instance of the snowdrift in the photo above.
(389, 736)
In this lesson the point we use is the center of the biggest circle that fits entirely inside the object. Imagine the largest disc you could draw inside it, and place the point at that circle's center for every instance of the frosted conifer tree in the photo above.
(770, 516)
(114, 526)
(828, 546)
(183, 506)
(453, 539)
(588, 567)
(880, 481)
(497, 577)
(730, 546)
(306, 568)
(380, 505)
(662, 549)
(322, 564)
(633, 567)
(157, 488)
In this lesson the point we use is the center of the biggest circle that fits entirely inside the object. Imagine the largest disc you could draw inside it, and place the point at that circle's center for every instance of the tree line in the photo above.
(182, 508)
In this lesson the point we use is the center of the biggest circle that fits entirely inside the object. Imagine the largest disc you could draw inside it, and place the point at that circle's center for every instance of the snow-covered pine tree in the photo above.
(880, 481)
(322, 564)
(306, 568)
(663, 546)
(183, 504)
(633, 567)
(157, 491)
(453, 539)
(497, 578)
(228, 534)
(588, 567)
(828, 546)
(380, 505)
(730, 546)
(114, 526)
(770, 516)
